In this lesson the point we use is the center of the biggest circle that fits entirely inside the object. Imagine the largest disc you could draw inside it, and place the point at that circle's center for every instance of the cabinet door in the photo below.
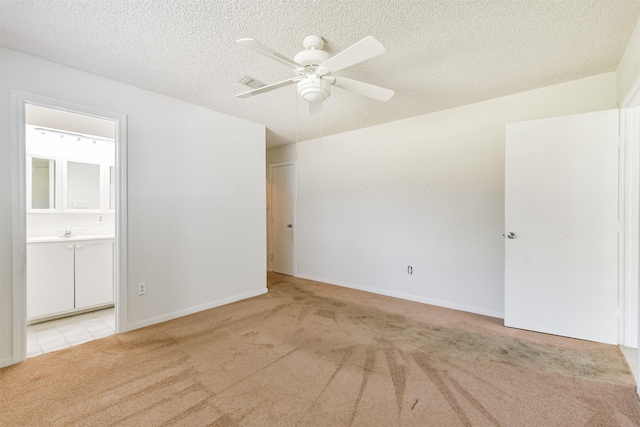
(49, 279)
(94, 273)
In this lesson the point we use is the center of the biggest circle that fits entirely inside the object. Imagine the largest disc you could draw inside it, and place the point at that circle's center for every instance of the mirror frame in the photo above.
(57, 199)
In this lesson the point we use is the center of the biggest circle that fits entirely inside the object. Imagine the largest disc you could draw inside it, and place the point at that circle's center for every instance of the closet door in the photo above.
(282, 195)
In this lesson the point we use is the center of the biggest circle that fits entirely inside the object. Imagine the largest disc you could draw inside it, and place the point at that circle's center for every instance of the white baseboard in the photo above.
(410, 297)
(6, 361)
(191, 310)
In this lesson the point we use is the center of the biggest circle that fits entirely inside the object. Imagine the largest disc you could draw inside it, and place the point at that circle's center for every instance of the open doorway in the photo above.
(70, 220)
(70, 214)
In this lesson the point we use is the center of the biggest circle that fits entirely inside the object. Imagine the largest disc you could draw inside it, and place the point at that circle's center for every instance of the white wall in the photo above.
(426, 192)
(196, 194)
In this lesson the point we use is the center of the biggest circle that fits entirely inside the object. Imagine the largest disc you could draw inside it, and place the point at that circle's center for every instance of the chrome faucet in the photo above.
(67, 232)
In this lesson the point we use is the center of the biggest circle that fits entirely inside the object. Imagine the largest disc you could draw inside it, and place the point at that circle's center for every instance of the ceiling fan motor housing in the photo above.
(313, 55)
(314, 88)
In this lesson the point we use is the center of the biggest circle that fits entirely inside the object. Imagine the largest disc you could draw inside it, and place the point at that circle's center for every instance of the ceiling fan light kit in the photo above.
(314, 89)
(314, 70)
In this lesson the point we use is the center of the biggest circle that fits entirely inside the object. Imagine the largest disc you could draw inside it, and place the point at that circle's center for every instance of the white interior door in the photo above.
(282, 219)
(561, 205)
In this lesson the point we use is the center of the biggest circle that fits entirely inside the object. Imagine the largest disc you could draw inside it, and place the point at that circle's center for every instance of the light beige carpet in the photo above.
(311, 354)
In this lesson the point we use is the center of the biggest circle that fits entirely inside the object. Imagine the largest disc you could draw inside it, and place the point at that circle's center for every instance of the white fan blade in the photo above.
(366, 48)
(267, 88)
(366, 89)
(315, 108)
(268, 52)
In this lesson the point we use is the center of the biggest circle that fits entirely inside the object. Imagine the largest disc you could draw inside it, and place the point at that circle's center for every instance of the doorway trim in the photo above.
(295, 215)
(630, 135)
(19, 210)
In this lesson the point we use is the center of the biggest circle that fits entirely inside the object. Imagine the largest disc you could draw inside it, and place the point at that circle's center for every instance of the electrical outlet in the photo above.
(100, 218)
(410, 270)
(142, 288)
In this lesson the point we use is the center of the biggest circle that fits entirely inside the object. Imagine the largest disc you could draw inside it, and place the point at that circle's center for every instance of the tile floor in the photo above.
(69, 331)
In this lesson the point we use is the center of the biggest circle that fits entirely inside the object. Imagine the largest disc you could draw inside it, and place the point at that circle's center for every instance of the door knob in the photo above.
(289, 225)
(511, 235)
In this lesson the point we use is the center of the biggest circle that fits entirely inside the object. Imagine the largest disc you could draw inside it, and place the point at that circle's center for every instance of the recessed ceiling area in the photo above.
(440, 54)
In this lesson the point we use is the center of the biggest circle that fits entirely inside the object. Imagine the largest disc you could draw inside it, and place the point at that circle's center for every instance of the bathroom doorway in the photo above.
(72, 187)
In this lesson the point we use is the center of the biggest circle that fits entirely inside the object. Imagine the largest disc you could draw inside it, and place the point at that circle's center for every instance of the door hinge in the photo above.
(271, 257)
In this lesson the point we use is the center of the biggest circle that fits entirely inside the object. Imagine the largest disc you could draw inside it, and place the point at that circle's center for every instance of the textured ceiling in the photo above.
(440, 53)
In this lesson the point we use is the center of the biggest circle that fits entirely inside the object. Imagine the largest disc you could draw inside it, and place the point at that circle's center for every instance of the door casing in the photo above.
(19, 211)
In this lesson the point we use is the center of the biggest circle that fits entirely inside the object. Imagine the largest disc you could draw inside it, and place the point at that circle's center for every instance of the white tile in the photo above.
(33, 351)
(78, 338)
(40, 327)
(51, 339)
(52, 344)
(92, 322)
(71, 320)
(47, 333)
(101, 333)
(76, 327)
(69, 331)
(95, 326)
(57, 323)
(107, 314)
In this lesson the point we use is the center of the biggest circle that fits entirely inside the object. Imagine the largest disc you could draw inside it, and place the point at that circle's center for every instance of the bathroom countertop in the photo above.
(53, 239)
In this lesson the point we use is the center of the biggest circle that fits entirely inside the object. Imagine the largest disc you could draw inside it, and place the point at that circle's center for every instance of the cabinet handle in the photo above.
(70, 247)
(78, 246)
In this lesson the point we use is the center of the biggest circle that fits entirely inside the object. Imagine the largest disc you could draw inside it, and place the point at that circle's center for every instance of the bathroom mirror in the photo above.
(43, 183)
(83, 185)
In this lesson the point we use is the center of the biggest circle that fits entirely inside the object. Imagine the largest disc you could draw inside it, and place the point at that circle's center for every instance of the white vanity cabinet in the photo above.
(64, 277)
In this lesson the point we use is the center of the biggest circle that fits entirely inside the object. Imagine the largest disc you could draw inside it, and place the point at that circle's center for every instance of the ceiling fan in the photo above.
(314, 70)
